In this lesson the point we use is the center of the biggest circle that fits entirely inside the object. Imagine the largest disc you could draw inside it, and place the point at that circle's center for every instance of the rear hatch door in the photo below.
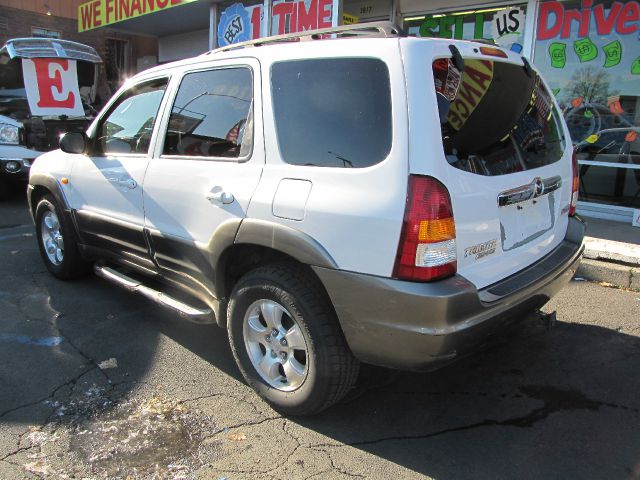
(488, 128)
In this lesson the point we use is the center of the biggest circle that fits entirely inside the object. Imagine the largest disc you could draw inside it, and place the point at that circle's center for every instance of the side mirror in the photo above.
(73, 142)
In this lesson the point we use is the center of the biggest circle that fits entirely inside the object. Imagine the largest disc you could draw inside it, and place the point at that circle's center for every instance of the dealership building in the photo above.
(587, 50)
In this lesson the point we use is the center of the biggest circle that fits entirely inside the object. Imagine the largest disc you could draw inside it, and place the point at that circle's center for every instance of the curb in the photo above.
(623, 276)
(616, 263)
(610, 250)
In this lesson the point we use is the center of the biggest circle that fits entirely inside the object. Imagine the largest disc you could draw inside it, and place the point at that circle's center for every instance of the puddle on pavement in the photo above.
(151, 436)
(37, 306)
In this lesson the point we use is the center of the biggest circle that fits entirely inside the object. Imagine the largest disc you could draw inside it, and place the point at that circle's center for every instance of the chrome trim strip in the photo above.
(536, 188)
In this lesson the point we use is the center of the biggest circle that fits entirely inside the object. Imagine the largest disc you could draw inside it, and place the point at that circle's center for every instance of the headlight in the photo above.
(9, 134)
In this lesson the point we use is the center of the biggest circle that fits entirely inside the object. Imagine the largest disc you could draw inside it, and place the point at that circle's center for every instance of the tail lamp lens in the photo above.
(575, 185)
(494, 52)
(427, 249)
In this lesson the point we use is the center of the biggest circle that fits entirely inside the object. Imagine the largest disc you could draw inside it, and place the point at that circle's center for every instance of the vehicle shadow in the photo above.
(559, 404)
(535, 404)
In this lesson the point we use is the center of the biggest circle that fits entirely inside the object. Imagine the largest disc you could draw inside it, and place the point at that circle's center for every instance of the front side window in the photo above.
(333, 112)
(496, 118)
(211, 116)
(128, 126)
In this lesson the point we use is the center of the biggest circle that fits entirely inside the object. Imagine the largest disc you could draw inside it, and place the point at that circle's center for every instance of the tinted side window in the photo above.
(332, 112)
(211, 116)
(128, 126)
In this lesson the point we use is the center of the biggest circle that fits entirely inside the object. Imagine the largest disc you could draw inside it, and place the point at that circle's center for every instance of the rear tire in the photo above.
(57, 242)
(287, 342)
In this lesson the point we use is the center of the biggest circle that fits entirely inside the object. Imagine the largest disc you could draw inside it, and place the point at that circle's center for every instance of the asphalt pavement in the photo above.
(98, 383)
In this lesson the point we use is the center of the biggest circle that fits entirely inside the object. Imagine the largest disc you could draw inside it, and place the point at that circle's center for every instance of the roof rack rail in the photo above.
(371, 29)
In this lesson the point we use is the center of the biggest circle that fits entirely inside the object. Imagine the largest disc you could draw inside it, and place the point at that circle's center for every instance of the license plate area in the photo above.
(523, 222)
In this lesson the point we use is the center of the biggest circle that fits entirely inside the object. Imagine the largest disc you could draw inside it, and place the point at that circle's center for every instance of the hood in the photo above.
(14, 108)
(10, 121)
(14, 92)
(49, 48)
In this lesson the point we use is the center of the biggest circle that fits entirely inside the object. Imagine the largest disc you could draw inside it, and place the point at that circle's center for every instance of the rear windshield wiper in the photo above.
(458, 61)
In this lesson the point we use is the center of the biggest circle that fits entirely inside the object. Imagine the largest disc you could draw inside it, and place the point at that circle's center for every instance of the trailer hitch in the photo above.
(548, 319)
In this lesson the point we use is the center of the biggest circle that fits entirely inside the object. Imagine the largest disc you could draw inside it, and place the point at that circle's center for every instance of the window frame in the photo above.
(94, 132)
(176, 90)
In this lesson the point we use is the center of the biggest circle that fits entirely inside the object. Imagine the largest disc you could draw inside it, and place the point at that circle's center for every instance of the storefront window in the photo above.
(501, 25)
(589, 54)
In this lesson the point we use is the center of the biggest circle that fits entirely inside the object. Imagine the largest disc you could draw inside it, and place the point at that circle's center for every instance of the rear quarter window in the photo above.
(496, 118)
(333, 112)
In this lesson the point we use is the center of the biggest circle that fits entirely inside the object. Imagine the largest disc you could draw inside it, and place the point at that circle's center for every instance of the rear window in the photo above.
(496, 118)
(332, 112)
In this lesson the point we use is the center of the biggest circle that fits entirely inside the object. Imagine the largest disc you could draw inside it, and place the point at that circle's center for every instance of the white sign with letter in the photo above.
(52, 86)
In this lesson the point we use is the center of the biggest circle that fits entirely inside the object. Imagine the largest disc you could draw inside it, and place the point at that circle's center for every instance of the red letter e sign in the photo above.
(52, 86)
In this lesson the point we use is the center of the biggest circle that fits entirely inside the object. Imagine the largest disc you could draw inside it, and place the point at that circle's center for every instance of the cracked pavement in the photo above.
(536, 404)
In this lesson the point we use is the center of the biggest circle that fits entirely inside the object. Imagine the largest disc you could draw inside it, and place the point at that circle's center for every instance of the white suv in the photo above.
(331, 197)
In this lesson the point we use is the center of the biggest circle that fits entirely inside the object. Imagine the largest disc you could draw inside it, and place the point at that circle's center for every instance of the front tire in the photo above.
(57, 242)
(287, 342)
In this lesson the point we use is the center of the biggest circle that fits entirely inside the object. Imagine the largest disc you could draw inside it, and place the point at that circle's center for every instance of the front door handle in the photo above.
(129, 183)
(220, 197)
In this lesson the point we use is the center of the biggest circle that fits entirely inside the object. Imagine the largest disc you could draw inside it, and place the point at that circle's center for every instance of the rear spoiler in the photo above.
(49, 48)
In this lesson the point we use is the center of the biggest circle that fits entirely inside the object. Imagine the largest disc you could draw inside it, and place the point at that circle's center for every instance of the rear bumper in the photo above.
(415, 326)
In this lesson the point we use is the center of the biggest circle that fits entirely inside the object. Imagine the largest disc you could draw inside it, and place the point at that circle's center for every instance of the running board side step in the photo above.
(195, 314)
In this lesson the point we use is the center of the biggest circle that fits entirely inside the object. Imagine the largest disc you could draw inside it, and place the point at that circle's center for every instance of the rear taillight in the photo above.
(575, 184)
(494, 52)
(427, 249)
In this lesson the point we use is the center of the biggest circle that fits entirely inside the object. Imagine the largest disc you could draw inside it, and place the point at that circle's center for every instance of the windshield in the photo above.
(496, 118)
(11, 82)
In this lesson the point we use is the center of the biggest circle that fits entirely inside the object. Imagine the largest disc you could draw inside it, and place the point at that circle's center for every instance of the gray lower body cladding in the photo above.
(416, 326)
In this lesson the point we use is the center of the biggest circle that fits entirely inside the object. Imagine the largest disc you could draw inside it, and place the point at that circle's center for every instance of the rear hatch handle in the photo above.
(536, 188)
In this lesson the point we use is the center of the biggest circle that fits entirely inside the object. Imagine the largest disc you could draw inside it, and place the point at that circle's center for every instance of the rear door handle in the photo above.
(220, 197)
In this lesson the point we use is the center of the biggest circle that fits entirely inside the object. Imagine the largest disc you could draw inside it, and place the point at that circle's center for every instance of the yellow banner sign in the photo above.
(348, 19)
(98, 13)
(476, 80)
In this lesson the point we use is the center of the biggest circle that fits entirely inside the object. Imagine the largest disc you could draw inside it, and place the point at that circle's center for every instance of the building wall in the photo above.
(175, 47)
(59, 8)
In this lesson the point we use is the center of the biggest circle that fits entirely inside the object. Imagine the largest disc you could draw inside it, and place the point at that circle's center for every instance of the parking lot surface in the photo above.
(96, 382)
